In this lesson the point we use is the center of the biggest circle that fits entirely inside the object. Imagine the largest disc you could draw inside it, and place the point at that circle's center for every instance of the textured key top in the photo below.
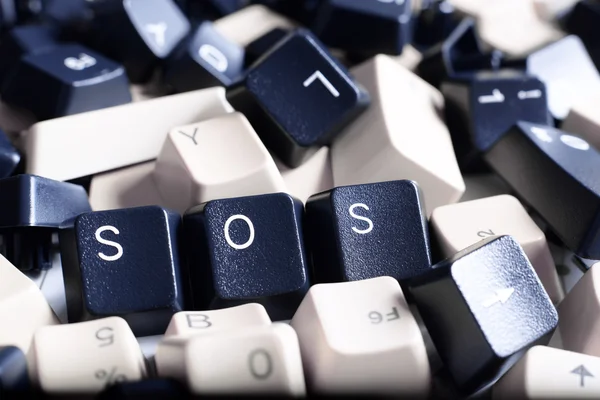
(263, 360)
(190, 323)
(360, 337)
(579, 325)
(556, 173)
(303, 109)
(217, 158)
(207, 59)
(568, 72)
(403, 126)
(457, 226)
(481, 108)
(548, 373)
(23, 307)
(86, 357)
(583, 21)
(32, 208)
(385, 26)
(123, 263)
(247, 249)
(68, 79)
(14, 378)
(129, 134)
(484, 307)
(9, 156)
(364, 231)
(138, 33)
(263, 44)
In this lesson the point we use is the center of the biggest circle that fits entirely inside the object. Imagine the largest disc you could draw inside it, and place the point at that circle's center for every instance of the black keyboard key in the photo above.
(138, 33)
(208, 59)
(14, 378)
(9, 156)
(201, 10)
(66, 80)
(556, 173)
(31, 209)
(262, 45)
(480, 108)
(247, 249)
(123, 263)
(583, 21)
(435, 22)
(302, 11)
(157, 388)
(365, 27)
(305, 107)
(484, 307)
(365, 231)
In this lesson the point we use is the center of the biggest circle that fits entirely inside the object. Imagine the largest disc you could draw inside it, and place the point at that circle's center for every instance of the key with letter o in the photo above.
(86, 357)
(247, 249)
(365, 231)
(123, 263)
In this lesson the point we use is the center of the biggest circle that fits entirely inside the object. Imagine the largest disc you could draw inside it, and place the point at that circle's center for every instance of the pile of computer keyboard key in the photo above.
(383, 198)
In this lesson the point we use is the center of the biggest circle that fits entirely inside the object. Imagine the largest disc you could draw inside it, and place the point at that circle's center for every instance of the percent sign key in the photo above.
(110, 377)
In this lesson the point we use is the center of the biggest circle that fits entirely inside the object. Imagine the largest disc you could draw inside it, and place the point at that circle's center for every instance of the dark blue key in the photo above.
(263, 44)
(14, 378)
(302, 11)
(305, 107)
(66, 80)
(583, 21)
(247, 249)
(123, 263)
(200, 10)
(9, 156)
(435, 22)
(31, 209)
(556, 173)
(365, 27)
(484, 307)
(480, 108)
(207, 59)
(156, 388)
(365, 231)
(138, 33)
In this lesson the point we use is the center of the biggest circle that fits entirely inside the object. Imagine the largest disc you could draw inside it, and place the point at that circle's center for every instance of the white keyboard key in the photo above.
(86, 357)
(124, 188)
(409, 58)
(98, 141)
(23, 308)
(457, 226)
(548, 373)
(360, 337)
(578, 313)
(190, 323)
(313, 176)
(551, 9)
(250, 23)
(254, 360)
(217, 158)
(400, 136)
(584, 119)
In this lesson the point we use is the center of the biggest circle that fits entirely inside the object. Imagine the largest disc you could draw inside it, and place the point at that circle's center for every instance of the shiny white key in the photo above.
(85, 357)
(254, 360)
(125, 187)
(217, 158)
(578, 320)
(98, 141)
(190, 323)
(458, 226)
(23, 308)
(584, 119)
(549, 373)
(250, 23)
(400, 136)
(360, 337)
(313, 176)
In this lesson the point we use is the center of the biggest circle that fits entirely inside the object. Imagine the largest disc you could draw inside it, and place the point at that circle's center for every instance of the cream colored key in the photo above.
(253, 360)
(360, 337)
(85, 357)
(190, 323)
(578, 320)
(551, 9)
(217, 158)
(250, 23)
(98, 141)
(124, 188)
(23, 308)
(400, 136)
(409, 58)
(313, 176)
(457, 226)
(548, 373)
(584, 119)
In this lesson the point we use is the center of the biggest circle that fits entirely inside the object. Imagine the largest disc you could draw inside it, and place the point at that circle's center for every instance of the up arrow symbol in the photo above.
(582, 372)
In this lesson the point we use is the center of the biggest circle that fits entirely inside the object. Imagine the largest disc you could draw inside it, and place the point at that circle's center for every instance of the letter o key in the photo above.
(228, 238)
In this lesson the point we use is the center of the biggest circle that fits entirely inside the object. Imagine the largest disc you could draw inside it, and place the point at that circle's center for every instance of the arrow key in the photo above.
(546, 372)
